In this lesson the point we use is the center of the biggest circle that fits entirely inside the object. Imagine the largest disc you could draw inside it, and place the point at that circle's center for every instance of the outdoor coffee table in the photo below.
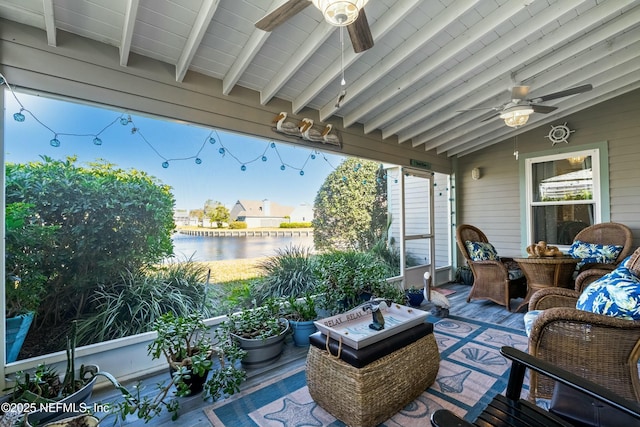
(366, 387)
(545, 272)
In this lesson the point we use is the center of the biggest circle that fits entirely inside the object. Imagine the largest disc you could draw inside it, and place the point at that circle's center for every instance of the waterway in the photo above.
(201, 248)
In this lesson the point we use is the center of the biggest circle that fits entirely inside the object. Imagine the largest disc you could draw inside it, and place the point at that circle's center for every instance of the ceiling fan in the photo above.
(516, 112)
(349, 13)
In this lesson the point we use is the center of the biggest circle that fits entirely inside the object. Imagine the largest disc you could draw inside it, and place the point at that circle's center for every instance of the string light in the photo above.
(126, 120)
(212, 138)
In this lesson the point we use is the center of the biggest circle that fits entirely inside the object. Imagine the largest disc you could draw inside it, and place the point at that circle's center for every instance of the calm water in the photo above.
(220, 248)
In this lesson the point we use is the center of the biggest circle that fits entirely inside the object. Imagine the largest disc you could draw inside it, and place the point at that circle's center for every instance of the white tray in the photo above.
(353, 329)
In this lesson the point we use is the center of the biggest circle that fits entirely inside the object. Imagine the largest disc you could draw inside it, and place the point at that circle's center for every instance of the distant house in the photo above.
(258, 213)
(302, 213)
(181, 216)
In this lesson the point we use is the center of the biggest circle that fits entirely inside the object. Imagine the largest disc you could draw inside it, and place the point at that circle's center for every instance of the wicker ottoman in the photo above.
(365, 387)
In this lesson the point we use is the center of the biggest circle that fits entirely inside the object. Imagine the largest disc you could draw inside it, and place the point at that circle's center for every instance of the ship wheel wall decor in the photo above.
(559, 133)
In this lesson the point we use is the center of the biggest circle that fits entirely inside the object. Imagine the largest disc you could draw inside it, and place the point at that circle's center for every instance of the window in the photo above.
(563, 194)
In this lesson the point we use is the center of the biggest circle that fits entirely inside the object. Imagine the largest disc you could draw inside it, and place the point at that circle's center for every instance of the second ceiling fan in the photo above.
(349, 13)
(515, 113)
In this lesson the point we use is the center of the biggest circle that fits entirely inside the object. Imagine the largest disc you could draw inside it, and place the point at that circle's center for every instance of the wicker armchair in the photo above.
(490, 278)
(600, 348)
(607, 233)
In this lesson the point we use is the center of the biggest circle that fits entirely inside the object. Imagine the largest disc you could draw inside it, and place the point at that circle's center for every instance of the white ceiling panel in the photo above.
(430, 59)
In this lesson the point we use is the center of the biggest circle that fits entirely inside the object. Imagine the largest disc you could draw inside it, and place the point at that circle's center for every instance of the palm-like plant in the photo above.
(288, 273)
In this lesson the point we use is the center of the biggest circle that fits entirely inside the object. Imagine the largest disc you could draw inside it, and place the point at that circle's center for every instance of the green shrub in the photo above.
(131, 306)
(347, 278)
(231, 296)
(296, 225)
(106, 219)
(28, 242)
(288, 273)
(237, 225)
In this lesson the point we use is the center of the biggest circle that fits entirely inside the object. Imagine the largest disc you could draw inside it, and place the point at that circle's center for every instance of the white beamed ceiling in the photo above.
(431, 58)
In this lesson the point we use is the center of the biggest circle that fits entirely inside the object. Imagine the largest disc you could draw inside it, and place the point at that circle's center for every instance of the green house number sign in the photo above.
(420, 164)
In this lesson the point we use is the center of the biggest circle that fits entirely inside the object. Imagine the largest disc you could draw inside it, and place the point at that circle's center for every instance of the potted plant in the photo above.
(301, 314)
(259, 331)
(187, 348)
(464, 275)
(415, 296)
(46, 386)
(190, 354)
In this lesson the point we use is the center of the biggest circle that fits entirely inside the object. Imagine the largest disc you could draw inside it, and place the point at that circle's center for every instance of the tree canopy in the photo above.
(106, 220)
(350, 209)
(216, 213)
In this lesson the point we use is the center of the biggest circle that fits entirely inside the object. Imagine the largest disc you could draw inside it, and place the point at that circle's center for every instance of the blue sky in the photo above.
(218, 177)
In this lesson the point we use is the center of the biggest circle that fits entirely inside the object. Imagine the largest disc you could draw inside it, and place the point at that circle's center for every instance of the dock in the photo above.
(292, 232)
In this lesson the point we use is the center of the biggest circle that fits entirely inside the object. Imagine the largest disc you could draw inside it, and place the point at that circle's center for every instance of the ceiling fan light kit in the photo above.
(516, 112)
(516, 116)
(340, 12)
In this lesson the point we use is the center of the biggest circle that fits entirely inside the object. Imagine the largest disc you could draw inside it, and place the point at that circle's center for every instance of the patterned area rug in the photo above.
(472, 371)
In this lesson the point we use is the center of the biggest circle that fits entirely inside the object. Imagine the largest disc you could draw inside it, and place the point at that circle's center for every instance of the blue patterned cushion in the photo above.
(594, 252)
(515, 274)
(481, 251)
(616, 294)
(529, 318)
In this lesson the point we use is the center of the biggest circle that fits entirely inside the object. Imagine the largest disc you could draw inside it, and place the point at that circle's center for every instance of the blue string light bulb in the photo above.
(19, 117)
(126, 119)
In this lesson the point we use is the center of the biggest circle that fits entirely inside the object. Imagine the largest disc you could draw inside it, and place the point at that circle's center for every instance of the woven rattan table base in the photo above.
(367, 396)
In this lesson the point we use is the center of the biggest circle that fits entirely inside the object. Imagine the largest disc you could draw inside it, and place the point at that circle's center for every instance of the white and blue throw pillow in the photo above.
(481, 251)
(594, 253)
(616, 294)
(529, 319)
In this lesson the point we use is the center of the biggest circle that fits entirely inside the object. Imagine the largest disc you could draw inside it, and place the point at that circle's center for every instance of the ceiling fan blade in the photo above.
(486, 119)
(563, 93)
(360, 33)
(277, 17)
(479, 108)
(519, 92)
(544, 109)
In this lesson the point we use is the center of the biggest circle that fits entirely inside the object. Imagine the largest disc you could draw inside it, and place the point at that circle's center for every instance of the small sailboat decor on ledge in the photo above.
(307, 130)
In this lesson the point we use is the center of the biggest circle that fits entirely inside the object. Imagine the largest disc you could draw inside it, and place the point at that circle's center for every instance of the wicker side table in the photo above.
(544, 272)
(369, 395)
